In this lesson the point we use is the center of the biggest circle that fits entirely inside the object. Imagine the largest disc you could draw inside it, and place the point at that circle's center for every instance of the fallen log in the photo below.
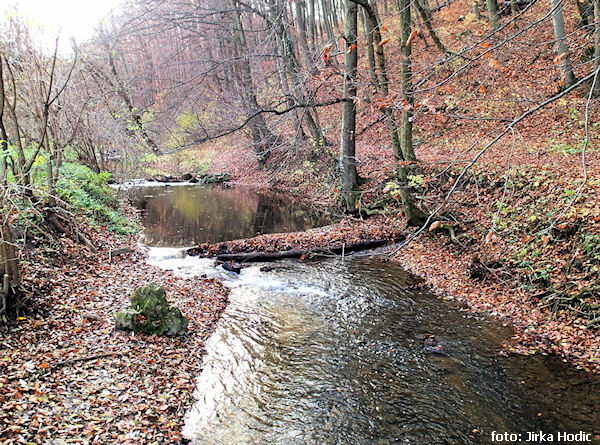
(273, 256)
(232, 267)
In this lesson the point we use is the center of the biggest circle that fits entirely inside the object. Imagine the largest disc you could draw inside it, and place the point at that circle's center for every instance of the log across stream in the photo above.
(253, 257)
(339, 239)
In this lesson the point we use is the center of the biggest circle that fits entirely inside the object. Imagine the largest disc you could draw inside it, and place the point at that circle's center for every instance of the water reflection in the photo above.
(188, 215)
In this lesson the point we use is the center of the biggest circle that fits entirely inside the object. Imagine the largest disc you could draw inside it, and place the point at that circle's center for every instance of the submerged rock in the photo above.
(232, 266)
(150, 313)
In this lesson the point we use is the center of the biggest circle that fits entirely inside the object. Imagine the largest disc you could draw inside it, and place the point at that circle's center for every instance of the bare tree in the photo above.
(597, 39)
(348, 135)
(562, 47)
(492, 7)
(262, 136)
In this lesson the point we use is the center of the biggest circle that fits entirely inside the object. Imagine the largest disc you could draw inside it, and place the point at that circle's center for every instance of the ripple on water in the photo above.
(323, 352)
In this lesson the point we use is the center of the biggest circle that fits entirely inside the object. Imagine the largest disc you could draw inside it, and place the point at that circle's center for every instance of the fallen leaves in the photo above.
(434, 225)
(133, 389)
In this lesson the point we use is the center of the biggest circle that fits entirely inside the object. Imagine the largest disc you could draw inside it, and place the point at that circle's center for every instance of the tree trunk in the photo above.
(10, 277)
(562, 48)
(135, 115)
(347, 140)
(289, 97)
(413, 214)
(476, 10)
(423, 8)
(406, 142)
(301, 27)
(288, 54)
(369, 30)
(492, 6)
(327, 20)
(312, 28)
(380, 77)
(514, 10)
(597, 40)
(257, 256)
(586, 12)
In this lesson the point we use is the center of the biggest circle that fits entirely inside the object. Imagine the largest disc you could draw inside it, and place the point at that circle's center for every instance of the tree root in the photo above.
(451, 229)
(59, 219)
(560, 300)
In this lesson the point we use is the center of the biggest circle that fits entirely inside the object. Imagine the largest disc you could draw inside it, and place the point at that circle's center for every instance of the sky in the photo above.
(74, 18)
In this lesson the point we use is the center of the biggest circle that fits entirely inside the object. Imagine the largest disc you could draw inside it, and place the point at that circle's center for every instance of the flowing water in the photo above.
(336, 351)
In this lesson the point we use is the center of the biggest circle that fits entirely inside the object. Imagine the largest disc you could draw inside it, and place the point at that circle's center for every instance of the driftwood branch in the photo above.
(54, 219)
(85, 359)
(116, 252)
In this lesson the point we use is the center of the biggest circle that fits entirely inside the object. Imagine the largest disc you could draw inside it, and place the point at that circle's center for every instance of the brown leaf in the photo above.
(434, 225)
(383, 42)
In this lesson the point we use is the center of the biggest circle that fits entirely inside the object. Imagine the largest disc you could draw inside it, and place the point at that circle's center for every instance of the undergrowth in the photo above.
(89, 194)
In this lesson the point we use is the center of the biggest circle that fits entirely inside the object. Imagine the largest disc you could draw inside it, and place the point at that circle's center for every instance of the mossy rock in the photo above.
(150, 301)
(218, 178)
(125, 319)
(150, 313)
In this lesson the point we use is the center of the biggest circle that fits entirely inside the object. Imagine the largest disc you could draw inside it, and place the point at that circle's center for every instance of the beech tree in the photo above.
(262, 137)
(348, 136)
(562, 48)
(407, 35)
(597, 40)
(492, 7)
(379, 77)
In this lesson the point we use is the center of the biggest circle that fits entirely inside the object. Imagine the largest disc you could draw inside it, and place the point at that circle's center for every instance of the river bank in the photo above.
(67, 376)
(448, 267)
(537, 329)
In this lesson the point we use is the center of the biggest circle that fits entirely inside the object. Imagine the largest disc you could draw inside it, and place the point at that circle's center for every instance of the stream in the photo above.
(348, 351)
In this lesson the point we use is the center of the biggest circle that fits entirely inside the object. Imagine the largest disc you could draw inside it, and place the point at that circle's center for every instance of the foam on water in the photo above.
(137, 183)
(176, 260)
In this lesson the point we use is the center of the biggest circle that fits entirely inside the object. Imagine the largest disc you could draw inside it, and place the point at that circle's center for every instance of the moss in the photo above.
(125, 320)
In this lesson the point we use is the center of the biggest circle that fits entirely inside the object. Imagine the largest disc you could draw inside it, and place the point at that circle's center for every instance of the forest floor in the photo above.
(527, 244)
(66, 373)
